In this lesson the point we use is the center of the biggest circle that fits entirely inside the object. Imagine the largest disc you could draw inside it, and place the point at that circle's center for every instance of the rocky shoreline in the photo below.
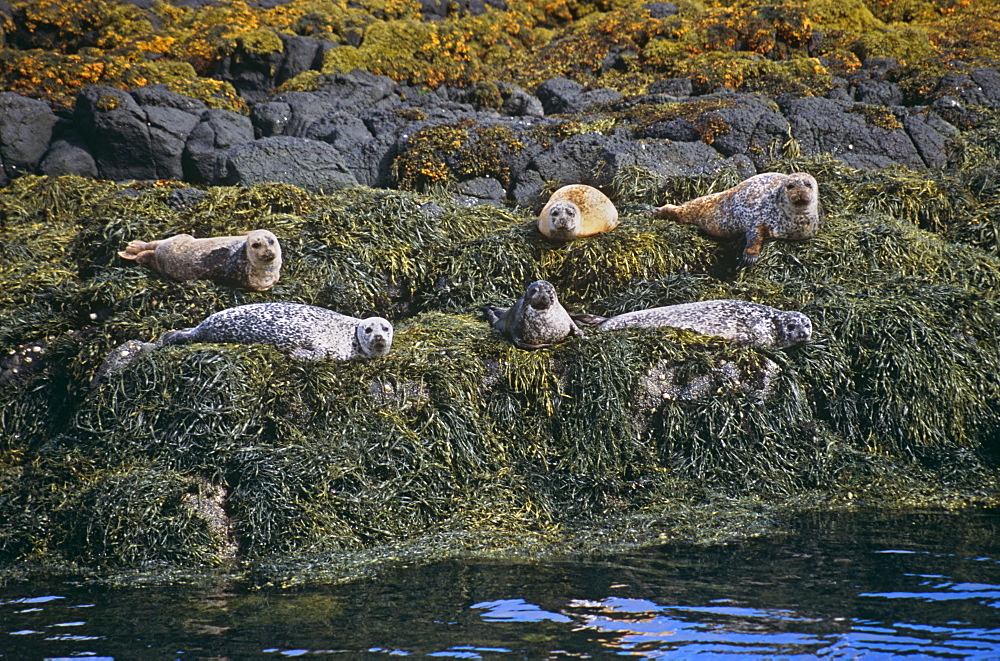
(404, 182)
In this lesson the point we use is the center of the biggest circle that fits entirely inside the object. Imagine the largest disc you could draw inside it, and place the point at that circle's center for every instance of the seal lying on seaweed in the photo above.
(305, 332)
(536, 320)
(251, 261)
(740, 321)
(577, 211)
(766, 206)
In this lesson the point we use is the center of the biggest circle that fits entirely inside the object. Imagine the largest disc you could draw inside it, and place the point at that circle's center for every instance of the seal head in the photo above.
(792, 328)
(374, 337)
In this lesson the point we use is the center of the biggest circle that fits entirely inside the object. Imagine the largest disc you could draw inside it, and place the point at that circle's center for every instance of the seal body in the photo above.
(576, 211)
(306, 332)
(740, 321)
(765, 206)
(536, 320)
(251, 261)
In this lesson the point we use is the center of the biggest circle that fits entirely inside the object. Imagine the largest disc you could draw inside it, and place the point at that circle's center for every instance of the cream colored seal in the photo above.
(251, 261)
(577, 211)
(767, 206)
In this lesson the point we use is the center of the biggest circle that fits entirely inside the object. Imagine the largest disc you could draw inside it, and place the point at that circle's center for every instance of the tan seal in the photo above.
(577, 211)
(536, 320)
(739, 321)
(767, 206)
(251, 261)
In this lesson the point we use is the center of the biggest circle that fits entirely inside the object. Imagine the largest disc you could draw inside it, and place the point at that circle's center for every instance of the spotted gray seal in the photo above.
(740, 321)
(251, 261)
(576, 211)
(306, 332)
(766, 206)
(536, 320)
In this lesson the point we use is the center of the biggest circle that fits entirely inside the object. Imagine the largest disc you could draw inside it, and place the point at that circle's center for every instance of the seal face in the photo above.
(765, 206)
(577, 211)
(251, 261)
(740, 321)
(305, 332)
(536, 320)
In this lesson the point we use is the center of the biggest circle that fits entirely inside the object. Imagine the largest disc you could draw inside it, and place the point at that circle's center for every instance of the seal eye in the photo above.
(368, 331)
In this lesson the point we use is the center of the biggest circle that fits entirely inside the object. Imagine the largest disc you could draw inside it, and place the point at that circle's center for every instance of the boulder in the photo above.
(849, 132)
(26, 127)
(133, 141)
(68, 155)
(217, 132)
(562, 95)
(312, 165)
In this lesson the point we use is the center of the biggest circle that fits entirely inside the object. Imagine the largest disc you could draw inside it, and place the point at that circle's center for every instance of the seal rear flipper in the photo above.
(182, 336)
(667, 211)
(587, 319)
(137, 249)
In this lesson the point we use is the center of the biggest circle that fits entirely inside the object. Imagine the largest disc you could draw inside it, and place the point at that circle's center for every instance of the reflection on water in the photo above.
(840, 586)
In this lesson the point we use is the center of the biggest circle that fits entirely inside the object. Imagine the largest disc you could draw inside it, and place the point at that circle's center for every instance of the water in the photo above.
(840, 586)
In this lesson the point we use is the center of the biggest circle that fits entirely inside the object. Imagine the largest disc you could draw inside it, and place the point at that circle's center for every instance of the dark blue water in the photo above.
(837, 586)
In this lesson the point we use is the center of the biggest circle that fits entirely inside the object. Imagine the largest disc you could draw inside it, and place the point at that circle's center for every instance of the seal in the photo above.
(740, 321)
(577, 211)
(306, 332)
(766, 206)
(251, 261)
(536, 320)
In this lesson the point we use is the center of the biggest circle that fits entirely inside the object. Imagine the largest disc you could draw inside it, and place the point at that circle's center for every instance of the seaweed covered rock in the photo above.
(239, 451)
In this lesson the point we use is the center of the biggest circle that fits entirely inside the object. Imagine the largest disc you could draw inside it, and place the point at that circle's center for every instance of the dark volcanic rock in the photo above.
(752, 126)
(25, 132)
(844, 130)
(930, 135)
(672, 86)
(982, 87)
(301, 54)
(133, 141)
(217, 131)
(562, 95)
(309, 164)
(878, 92)
(661, 9)
(68, 155)
(481, 190)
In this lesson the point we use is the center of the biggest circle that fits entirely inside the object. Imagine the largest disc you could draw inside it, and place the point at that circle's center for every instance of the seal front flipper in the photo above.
(494, 315)
(754, 242)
